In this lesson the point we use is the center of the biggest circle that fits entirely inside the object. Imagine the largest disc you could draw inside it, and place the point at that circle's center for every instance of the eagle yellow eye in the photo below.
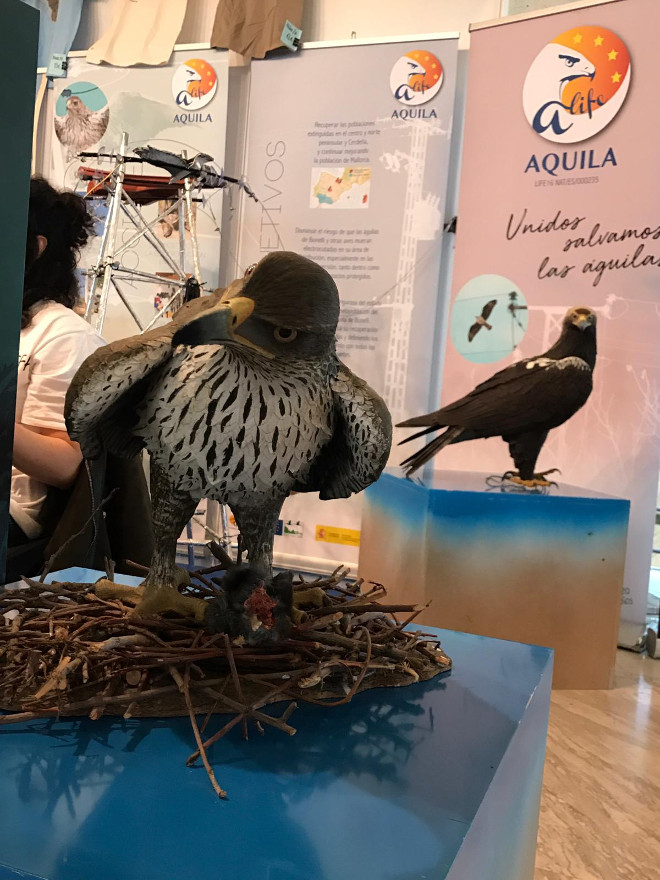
(285, 334)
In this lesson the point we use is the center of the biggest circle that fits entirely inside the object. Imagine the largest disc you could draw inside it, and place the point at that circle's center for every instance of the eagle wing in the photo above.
(533, 392)
(472, 332)
(488, 308)
(100, 404)
(360, 446)
(97, 123)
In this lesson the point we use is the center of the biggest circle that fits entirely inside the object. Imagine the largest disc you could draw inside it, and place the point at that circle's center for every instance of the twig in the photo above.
(182, 684)
(143, 569)
(49, 564)
(221, 555)
(109, 568)
(237, 680)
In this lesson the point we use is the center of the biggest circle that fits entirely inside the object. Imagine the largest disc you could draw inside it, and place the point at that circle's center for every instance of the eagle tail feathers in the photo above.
(430, 420)
(421, 433)
(418, 459)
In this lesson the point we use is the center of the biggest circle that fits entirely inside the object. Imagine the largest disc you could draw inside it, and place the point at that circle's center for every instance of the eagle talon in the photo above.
(538, 481)
(158, 599)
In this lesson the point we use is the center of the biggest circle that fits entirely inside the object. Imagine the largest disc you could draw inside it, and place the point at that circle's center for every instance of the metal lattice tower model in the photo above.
(107, 271)
(402, 296)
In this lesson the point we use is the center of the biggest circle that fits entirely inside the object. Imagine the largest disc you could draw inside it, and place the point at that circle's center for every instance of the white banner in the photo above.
(547, 221)
(180, 107)
(349, 162)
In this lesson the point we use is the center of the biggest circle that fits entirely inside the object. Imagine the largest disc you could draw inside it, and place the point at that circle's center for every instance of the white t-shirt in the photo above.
(51, 349)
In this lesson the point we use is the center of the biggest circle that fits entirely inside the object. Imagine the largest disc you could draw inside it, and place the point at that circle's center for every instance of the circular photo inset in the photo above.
(488, 319)
(577, 84)
(81, 116)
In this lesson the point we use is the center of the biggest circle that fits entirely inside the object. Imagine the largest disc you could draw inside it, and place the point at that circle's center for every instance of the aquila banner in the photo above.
(350, 166)
(559, 208)
(180, 107)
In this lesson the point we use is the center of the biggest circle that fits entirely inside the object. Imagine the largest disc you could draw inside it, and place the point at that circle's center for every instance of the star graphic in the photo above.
(612, 55)
(616, 78)
(577, 38)
(598, 41)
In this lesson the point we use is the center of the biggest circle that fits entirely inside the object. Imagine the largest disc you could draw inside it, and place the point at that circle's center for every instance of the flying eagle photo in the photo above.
(482, 320)
(521, 403)
(241, 398)
(80, 127)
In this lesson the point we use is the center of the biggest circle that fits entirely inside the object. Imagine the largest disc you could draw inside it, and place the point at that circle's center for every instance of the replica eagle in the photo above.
(482, 320)
(80, 127)
(521, 403)
(242, 399)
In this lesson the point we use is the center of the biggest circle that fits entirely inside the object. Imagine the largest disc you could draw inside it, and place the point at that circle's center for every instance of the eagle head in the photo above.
(285, 307)
(76, 107)
(581, 317)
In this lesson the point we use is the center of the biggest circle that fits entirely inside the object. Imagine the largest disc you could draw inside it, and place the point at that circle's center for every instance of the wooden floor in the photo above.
(600, 813)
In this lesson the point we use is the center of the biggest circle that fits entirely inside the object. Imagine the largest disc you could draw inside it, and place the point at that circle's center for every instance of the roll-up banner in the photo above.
(559, 208)
(180, 107)
(347, 151)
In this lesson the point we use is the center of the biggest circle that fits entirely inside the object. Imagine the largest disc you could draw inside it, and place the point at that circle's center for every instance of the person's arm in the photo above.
(46, 454)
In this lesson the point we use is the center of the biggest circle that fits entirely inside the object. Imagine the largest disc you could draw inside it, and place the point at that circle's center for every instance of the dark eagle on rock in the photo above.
(521, 403)
(241, 398)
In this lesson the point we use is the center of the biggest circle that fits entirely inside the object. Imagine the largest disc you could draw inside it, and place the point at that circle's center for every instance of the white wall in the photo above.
(339, 19)
(326, 19)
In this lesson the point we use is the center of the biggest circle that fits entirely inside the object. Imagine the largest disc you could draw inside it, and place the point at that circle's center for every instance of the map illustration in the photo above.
(340, 187)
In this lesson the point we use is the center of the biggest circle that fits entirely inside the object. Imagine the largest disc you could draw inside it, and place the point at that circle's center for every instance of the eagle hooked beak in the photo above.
(218, 326)
(582, 320)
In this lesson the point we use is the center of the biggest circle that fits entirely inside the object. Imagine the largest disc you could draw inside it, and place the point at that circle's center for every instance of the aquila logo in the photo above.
(416, 77)
(194, 84)
(577, 84)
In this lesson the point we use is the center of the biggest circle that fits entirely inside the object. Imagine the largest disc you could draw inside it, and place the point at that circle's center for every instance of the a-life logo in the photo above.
(577, 84)
(416, 77)
(194, 84)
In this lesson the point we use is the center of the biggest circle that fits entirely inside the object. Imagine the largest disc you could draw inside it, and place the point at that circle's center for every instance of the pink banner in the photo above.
(559, 207)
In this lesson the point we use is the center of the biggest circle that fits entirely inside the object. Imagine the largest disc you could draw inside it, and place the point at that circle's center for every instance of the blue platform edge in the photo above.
(440, 779)
(458, 499)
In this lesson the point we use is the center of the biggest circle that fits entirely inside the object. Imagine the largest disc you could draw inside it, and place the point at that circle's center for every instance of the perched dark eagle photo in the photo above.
(482, 320)
(521, 403)
(241, 398)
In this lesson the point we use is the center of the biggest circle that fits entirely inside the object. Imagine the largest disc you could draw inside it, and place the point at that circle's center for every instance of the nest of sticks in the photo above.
(66, 650)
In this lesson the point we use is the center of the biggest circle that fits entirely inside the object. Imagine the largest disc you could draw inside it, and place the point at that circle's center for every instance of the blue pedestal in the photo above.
(437, 780)
(543, 569)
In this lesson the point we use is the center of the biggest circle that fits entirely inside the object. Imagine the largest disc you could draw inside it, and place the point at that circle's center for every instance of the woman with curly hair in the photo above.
(54, 342)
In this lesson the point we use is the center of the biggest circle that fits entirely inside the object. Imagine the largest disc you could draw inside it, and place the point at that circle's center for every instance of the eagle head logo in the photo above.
(416, 77)
(194, 84)
(576, 84)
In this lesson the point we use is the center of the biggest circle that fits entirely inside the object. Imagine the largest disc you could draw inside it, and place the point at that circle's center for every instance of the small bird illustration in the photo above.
(482, 320)
(241, 398)
(521, 403)
(80, 127)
